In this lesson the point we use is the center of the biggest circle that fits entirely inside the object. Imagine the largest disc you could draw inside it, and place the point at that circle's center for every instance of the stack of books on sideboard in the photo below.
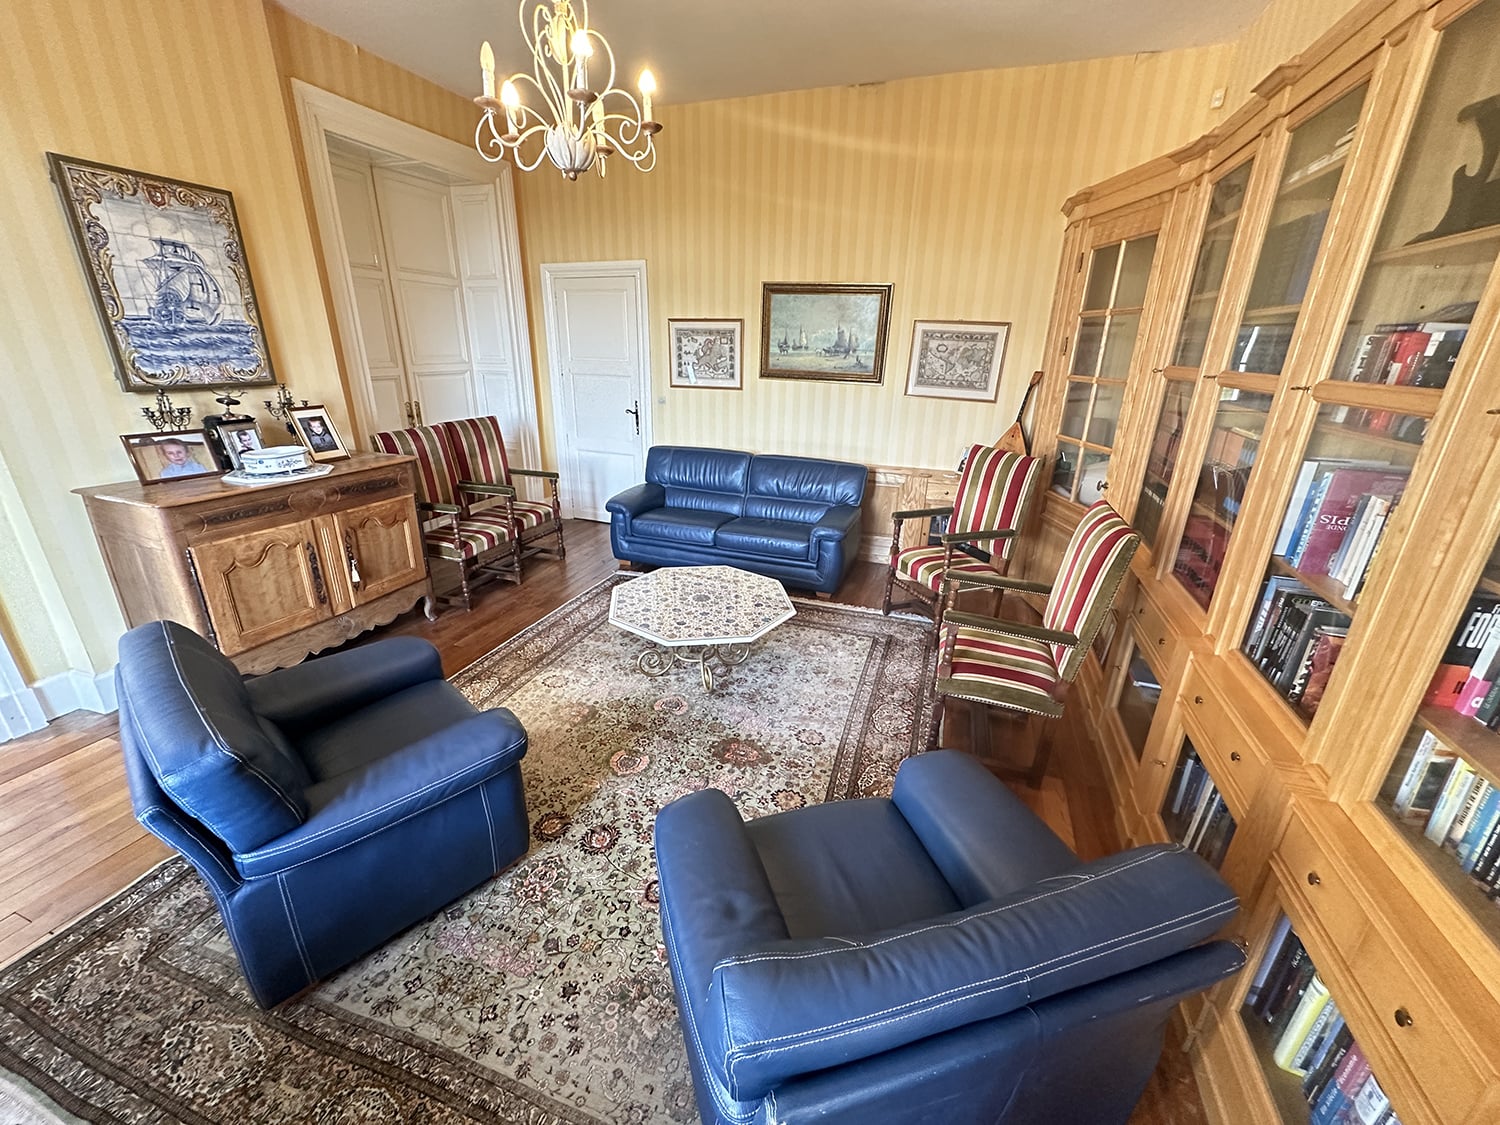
(1309, 1038)
(1333, 524)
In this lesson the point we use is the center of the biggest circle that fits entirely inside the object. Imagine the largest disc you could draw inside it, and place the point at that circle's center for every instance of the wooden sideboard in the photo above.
(270, 574)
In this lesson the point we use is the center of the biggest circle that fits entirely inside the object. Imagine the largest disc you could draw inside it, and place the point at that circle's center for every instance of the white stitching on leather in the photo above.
(489, 823)
(214, 731)
(291, 917)
(169, 815)
(839, 1030)
(1085, 879)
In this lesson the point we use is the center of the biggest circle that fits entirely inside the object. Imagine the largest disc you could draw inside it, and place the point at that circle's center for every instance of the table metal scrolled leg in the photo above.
(655, 661)
(732, 655)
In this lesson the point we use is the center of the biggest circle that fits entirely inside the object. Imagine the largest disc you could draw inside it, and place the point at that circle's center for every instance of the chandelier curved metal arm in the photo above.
(576, 125)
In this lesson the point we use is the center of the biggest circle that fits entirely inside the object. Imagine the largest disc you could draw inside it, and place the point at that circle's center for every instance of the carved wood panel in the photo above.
(262, 585)
(380, 547)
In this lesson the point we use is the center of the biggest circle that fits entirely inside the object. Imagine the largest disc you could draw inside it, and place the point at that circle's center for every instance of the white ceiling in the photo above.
(706, 49)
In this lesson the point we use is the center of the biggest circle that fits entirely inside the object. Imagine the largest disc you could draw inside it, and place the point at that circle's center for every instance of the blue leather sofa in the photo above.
(796, 519)
(328, 806)
(939, 956)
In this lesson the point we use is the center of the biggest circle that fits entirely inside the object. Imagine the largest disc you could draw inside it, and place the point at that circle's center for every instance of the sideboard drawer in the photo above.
(1313, 878)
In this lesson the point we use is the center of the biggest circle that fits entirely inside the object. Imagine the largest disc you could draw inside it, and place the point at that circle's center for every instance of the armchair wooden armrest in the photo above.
(439, 509)
(543, 474)
(976, 536)
(999, 582)
(1010, 628)
(913, 513)
(484, 488)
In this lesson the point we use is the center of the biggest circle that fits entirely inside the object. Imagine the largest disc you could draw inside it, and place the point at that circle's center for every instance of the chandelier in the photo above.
(579, 125)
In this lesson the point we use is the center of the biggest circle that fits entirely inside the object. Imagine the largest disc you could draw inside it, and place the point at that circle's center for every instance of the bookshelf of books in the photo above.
(1309, 693)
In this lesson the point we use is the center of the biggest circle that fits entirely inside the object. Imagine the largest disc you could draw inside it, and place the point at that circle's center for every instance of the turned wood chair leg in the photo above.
(934, 726)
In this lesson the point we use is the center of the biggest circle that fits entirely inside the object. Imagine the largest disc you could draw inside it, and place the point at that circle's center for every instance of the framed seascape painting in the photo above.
(166, 268)
(706, 353)
(956, 359)
(829, 332)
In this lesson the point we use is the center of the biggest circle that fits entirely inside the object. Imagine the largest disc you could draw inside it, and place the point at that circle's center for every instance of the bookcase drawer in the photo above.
(1419, 1030)
(1309, 875)
(1229, 753)
(1152, 633)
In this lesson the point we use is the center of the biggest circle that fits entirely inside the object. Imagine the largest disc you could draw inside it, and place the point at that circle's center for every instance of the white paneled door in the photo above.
(597, 339)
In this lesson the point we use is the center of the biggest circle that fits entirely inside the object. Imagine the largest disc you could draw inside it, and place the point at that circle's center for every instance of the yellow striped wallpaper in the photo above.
(179, 87)
(949, 188)
(1285, 28)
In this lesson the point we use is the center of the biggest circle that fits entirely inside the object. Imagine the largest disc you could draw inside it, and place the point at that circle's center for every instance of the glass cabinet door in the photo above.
(1310, 179)
(1194, 812)
(1161, 463)
(1224, 208)
(1103, 347)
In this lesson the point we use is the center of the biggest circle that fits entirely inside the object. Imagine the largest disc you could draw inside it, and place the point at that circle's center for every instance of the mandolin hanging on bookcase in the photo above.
(1014, 440)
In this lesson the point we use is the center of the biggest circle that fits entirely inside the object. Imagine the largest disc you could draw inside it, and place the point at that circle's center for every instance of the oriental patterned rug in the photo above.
(542, 997)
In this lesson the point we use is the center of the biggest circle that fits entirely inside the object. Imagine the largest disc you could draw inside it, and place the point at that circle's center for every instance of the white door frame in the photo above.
(555, 271)
(320, 113)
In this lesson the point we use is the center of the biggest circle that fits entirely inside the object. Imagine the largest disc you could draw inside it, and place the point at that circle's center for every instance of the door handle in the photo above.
(416, 404)
(354, 578)
(635, 412)
(317, 573)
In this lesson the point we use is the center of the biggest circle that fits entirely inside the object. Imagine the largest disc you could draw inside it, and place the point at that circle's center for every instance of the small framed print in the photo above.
(171, 456)
(706, 353)
(956, 359)
(237, 438)
(316, 431)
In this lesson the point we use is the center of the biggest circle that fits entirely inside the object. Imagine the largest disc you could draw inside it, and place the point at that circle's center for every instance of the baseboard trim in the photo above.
(20, 713)
(76, 691)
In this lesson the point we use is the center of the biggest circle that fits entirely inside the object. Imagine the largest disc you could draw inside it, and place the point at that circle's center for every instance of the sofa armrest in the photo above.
(787, 1008)
(633, 501)
(984, 840)
(315, 692)
(836, 523)
(714, 892)
(354, 806)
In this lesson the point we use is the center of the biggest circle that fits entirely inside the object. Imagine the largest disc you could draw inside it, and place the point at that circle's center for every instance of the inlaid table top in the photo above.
(700, 605)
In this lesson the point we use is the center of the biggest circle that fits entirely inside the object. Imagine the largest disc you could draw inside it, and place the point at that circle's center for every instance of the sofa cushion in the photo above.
(801, 488)
(700, 479)
(679, 525)
(185, 710)
(791, 1007)
(775, 538)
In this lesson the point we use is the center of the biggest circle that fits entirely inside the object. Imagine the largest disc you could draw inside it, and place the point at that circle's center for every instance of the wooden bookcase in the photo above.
(1318, 350)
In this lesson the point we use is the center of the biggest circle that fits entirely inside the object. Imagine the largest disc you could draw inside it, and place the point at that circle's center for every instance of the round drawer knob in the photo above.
(1234, 755)
(1313, 878)
(1403, 1018)
(1162, 762)
(1161, 640)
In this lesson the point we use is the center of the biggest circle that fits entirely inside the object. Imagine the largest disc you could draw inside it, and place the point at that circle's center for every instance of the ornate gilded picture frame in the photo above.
(167, 272)
(834, 333)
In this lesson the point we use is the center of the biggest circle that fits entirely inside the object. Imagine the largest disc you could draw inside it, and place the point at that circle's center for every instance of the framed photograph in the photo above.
(706, 353)
(829, 332)
(956, 359)
(167, 272)
(237, 437)
(315, 430)
(171, 456)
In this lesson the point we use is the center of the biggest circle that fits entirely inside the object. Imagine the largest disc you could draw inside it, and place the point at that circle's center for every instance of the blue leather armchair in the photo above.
(328, 806)
(939, 956)
(795, 519)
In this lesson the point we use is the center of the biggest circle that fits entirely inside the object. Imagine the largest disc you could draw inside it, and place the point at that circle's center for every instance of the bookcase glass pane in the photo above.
(1227, 463)
(1135, 272)
(1310, 180)
(1441, 231)
(1140, 692)
(1315, 1070)
(1119, 345)
(1162, 462)
(1076, 409)
(1091, 477)
(1065, 468)
(1351, 478)
(1086, 348)
(1193, 810)
(1224, 208)
(1106, 413)
(1443, 789)
(1103, 265)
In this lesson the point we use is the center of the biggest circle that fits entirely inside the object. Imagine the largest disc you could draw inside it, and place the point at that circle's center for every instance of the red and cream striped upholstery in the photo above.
(1093, 566)
(481, 532)
(924, 565)
(1019, 672)
(480, 450)
(993, 494)
(429, 445)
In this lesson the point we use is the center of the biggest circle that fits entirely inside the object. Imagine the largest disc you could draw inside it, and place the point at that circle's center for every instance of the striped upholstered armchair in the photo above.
(989, 509)
(466, 494)
(1028, 668)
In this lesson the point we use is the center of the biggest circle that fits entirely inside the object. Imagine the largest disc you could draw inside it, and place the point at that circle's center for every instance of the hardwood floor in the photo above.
(68, 839)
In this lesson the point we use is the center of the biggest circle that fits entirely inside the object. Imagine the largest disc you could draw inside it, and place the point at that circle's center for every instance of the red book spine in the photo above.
(1345, 489)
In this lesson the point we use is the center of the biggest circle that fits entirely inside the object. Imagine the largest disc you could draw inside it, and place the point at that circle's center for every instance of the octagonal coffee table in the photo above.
(698, 615)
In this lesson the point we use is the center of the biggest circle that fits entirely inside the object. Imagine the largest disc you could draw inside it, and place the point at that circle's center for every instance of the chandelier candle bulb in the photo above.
(647, 84)
(487, 68)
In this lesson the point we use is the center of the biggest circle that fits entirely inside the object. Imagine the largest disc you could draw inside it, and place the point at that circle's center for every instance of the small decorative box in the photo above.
(274, 459)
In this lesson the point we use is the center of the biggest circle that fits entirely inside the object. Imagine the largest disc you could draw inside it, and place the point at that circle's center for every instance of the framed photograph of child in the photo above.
(163, 458)
(239, 438)
(316, 431)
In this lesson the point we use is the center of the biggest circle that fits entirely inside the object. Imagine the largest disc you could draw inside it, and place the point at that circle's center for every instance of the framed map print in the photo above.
(956, 359)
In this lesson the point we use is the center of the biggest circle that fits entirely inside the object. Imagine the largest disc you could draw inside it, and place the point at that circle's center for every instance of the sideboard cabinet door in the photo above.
(380, 547)
(262, 585)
